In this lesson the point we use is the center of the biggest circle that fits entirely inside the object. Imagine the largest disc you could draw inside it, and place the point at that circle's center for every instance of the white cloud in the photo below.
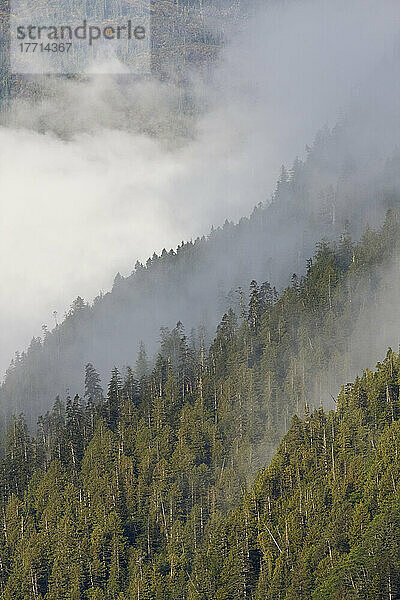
(78, 208)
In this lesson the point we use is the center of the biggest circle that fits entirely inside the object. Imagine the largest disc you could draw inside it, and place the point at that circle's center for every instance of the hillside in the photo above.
(197, 283)
(134, 492)
(323, 520)
(215, 424)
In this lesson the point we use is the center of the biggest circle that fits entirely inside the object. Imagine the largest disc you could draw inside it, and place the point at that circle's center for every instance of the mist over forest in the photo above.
(199, 310)
(142, 165)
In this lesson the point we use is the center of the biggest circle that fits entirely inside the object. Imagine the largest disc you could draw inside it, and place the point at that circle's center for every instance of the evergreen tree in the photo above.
(93, 389)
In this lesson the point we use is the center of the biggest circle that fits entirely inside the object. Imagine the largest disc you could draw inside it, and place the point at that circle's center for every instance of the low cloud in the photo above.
(99, 173)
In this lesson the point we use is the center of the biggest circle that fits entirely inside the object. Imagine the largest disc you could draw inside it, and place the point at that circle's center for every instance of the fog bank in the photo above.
(97, 174)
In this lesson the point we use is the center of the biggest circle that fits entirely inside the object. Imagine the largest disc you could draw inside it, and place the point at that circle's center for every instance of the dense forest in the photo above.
(145, 490)
(214, 427)
(198, 282)
(322, 521)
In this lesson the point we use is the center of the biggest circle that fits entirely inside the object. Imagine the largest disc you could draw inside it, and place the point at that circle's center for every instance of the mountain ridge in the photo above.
(147, 489)
(195, 284)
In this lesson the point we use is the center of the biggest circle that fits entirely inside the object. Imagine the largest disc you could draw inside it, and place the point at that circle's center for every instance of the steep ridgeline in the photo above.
(128, 495)
(193, 284)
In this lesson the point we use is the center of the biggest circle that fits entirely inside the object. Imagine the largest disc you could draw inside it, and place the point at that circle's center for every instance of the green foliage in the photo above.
(149, 492)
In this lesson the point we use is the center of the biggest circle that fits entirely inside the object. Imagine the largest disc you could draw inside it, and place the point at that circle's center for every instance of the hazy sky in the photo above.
(75, 212)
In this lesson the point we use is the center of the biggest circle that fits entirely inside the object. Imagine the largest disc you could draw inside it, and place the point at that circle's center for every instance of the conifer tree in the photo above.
(93, 389)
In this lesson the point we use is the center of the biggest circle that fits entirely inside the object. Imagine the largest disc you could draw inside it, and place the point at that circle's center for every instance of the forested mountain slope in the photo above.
(193, 283)
(128, 494)
(323, 520)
